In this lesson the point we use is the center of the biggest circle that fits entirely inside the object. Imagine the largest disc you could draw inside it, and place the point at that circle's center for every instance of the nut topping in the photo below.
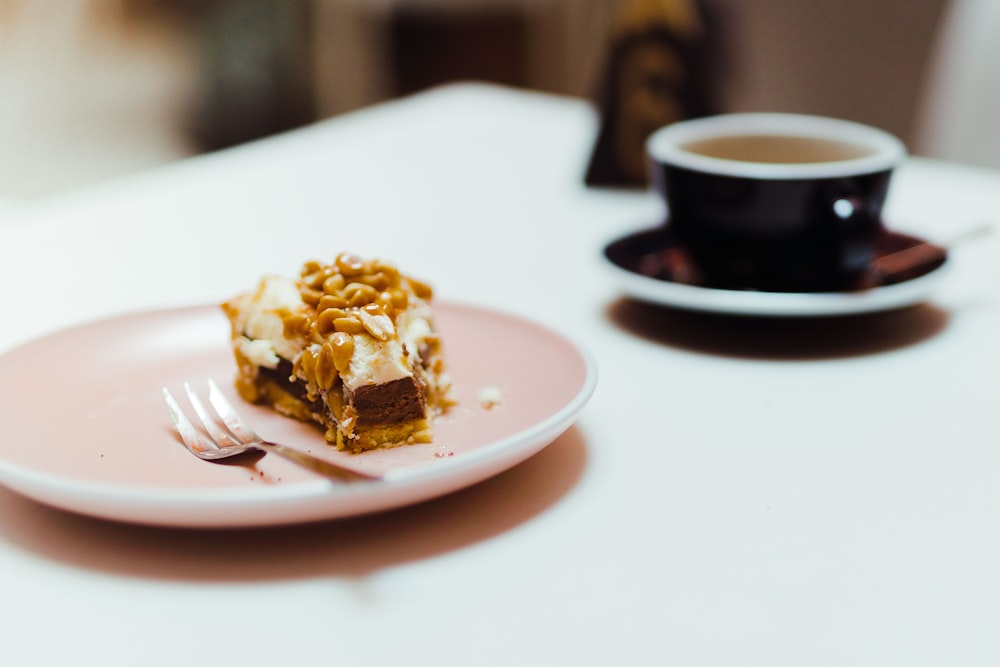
(349, 297)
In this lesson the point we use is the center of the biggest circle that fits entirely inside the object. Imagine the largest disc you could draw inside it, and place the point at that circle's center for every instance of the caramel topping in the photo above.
(326, 368)
(296, 326)
(342, 345)
(349, 265)
(350, 296)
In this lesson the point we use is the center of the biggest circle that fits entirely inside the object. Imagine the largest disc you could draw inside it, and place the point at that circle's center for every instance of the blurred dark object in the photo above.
(433, 46)
(256, 71)
(658, 71)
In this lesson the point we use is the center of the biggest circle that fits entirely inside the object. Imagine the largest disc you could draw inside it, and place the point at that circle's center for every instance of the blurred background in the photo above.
(92, 90)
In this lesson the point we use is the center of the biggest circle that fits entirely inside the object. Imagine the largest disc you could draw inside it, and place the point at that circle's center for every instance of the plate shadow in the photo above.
(350, 548)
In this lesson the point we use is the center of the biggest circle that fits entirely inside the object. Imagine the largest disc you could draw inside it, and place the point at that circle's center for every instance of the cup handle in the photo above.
(856, 229)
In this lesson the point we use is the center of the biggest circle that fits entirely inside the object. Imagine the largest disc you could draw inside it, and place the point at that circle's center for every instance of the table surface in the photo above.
(737, 491)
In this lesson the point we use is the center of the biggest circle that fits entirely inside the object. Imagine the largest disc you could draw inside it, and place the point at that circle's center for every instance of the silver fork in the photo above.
(229, 435)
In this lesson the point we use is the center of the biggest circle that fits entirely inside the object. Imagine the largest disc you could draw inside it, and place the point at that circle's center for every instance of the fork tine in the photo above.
(228, 413)
(220, 435)
(221, 444)
(191, 437)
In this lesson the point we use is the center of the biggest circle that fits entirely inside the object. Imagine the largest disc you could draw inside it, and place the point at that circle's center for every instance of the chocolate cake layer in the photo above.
(390, 403)
(282, 377)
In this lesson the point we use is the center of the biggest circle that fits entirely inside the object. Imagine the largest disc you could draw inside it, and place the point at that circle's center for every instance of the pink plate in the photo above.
(83, 426)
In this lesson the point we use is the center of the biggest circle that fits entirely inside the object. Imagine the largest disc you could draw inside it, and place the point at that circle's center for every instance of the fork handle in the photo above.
(317, 465)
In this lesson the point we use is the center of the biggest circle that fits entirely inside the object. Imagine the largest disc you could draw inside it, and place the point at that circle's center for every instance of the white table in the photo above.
(736, 492)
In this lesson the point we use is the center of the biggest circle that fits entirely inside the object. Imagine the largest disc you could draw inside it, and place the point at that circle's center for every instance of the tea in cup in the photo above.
(775, 202)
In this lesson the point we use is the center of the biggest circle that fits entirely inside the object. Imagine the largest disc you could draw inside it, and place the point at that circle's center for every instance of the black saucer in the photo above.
(650, 266)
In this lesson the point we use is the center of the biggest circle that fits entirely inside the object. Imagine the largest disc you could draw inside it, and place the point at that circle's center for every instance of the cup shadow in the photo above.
(786, 339)
(351, 548)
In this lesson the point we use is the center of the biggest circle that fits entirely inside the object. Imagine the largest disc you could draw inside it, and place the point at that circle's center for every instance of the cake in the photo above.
(349, 344)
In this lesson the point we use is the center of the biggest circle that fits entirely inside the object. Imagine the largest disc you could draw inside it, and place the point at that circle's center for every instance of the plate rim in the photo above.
(304, 500)
(768, 304)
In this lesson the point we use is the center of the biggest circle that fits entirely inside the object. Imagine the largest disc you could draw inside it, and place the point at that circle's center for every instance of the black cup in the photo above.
(775, 202)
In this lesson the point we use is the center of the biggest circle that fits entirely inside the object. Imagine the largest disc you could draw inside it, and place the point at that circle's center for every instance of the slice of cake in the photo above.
(350, 344)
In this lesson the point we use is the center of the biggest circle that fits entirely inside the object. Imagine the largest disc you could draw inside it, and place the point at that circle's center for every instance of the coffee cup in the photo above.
(775, 202)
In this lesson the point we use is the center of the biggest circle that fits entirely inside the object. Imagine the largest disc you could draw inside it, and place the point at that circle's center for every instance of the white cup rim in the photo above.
(664, 146)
